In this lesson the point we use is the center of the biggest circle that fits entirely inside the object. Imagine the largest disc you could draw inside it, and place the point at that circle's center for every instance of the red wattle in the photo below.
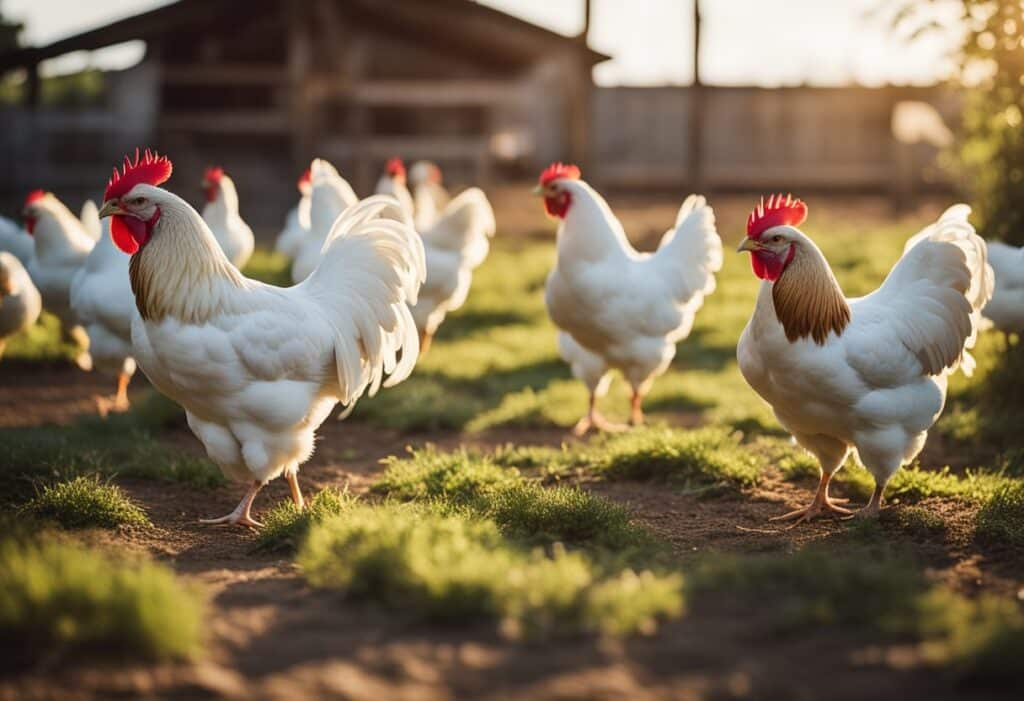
(129, 233)
(30, 225)
(768, 266)
(558, 205)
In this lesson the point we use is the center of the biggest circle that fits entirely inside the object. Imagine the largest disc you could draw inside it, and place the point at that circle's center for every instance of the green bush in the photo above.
(285, 526)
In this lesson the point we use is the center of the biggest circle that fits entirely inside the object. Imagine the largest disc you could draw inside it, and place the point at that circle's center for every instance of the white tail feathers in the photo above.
(690, 254)
(371, 267)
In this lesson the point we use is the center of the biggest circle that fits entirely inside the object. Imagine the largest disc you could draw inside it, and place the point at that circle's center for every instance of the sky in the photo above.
(745, 42)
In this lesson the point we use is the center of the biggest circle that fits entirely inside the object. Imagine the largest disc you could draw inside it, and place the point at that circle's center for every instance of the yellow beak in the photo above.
(110, 208)
(537, 190)
(748, 244)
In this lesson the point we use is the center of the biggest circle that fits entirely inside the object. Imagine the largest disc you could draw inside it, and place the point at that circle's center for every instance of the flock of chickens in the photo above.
(258, 368)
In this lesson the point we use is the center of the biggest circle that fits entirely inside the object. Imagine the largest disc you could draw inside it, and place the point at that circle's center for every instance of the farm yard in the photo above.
(461, 542)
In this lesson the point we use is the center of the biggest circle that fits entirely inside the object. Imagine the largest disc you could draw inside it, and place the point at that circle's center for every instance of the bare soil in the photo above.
(271, 637)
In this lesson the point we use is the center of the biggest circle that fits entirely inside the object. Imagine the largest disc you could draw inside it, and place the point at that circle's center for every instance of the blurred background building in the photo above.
(261, 86)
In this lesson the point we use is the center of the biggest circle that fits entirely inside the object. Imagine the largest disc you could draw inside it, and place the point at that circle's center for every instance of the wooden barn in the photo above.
(261, 86)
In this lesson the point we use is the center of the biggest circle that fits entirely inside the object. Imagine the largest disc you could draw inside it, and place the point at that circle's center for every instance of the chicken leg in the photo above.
(636, 411)
(874, 505)
(425, 341)
(594, 419)
(293, 484)
(242, 514)
(821, 501)
(120, 402)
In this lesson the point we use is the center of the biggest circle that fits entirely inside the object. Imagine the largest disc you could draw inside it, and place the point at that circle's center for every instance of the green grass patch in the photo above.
(40, 343)
(86, 502)
(521, 507)
(270, 267)
(1001, 518)
(285, 526)
(60, 596)
(455, 567)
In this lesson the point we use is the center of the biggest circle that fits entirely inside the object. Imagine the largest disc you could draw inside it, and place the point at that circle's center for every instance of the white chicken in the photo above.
(90, 219)
(393, 183)
(1006, 308)
(296, 224)
(20, 302)
(258, 368)
(866, 374)
(456, 242)
(429, 196)
(101, 297)
(61, 247)
(16, 240)
(617, 308)
(330, 195)
(221, 215)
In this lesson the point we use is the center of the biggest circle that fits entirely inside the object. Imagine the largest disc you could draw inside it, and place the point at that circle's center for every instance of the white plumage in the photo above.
(622, 309)
(101, 297)
(1006, 308)
(296, 225)
(15, 240)
(221, 215)
(61, 247)
(429, 195)
(456, 242)
(878, 384)
(329, 197)
(258, 368)
(20, 303)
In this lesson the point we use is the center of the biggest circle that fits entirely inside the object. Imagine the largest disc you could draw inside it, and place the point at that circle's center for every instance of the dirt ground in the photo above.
(272, 637)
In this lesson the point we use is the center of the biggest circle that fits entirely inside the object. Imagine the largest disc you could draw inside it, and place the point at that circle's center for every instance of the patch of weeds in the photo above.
(700, 458)
(86, 502)
(285, 526)
(522, 507)
(454, 567)
(1001, 518)
(57, 595)
(917, 520)
(270, 267)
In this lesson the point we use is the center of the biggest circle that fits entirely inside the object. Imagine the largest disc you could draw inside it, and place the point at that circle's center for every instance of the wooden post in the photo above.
(695, 142)
(579, 96)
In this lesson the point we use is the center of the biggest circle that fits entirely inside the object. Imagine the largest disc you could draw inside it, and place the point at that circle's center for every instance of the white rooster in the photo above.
(456, 242)
(617, 308)
(20, 302)
(1006, 308)
(61, 247)
(101, 297)
(296, 224)
(866, 374)
(330, 195)
(258, 368)
(221, 215)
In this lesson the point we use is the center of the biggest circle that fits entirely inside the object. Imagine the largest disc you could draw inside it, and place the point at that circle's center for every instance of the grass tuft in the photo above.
(1001, 518)
(456, 567)
(285, 526)
(86, 502)
(58, 596)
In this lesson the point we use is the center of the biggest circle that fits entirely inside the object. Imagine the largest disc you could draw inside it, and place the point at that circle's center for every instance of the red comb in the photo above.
(150, 168)
(213, 174)
(305, 178)
(395, 166)
(34, 196)
(558, 171)
(777, 211)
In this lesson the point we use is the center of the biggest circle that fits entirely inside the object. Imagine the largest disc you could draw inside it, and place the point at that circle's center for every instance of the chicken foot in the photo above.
(293, 484)
(242, 514)
(594, 419)
(119, 403)
(821, 501)
(636, 411)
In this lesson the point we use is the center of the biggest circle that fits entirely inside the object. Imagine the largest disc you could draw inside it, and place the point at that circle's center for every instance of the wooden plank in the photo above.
(408, 147)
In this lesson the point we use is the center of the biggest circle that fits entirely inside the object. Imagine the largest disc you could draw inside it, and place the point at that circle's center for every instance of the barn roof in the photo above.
(457, 24)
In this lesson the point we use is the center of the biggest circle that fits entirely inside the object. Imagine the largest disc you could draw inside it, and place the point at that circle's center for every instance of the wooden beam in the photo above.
(32, 87)
(379, 148)
(228, 122)
(436, 93)
(695, 135)
(300, 105)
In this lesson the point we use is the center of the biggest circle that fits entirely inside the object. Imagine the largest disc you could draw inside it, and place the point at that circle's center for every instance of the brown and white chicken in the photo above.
(869, 374)
(258, 368)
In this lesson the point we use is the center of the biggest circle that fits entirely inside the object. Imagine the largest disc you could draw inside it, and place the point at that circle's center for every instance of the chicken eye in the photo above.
(139, 201)
(777, 239)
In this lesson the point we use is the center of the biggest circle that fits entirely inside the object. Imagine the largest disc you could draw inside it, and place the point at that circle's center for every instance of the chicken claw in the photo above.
(821, 501)
(241, 516)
